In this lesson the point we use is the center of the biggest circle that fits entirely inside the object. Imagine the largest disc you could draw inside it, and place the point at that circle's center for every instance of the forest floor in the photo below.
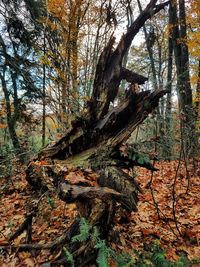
(154, 221)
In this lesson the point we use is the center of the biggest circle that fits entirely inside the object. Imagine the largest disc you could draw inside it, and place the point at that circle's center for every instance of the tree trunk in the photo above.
(11, 119)
(44, 94)
(169, 94)
(197, 111)
(179, 37)
(150, 52)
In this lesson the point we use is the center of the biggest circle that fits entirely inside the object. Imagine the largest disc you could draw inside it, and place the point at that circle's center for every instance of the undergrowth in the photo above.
(153, 256)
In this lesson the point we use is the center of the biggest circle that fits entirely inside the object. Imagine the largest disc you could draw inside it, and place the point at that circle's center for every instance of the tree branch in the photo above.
(132, 77)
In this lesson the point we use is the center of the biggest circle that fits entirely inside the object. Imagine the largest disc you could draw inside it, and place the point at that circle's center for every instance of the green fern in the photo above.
(69, 257)
(152, 256)
(85, 228)
(182, 262)
(103, 253)
(124, 260)
(159, 260)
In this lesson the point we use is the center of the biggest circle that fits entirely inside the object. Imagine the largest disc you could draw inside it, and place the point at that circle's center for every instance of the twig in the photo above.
(153, 197)
(152, 194)
(27, 224)
(174, 194)
(151, 180)
(64, 210)
(165, 219)
(28, 246)
(187, 173)
(1, 232)
(65, 237)
(185, 162)
(137, 132)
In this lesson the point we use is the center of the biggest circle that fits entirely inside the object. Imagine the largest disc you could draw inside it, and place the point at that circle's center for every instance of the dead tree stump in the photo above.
(95, 141)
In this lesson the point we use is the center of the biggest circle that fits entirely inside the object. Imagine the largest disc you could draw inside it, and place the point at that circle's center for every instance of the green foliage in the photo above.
(69, 257)
(85, 228)
(133, 155)
(51, 202)
(143, 160)
(152, 256)
(159, 260)
(103, 253)
(124, 260)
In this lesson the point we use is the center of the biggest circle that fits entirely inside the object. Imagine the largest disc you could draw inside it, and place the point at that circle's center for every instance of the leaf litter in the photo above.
(131, 231)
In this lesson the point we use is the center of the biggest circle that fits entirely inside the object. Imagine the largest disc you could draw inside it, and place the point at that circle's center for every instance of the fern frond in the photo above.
(103, 253)
(69, 257)
(183, 261)
(159, 260)
(85, 228)
(124, 260)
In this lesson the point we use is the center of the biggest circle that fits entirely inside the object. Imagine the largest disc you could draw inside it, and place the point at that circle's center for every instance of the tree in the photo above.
(75, 37)
(179, 37)
(169, 89)
(157, 49)
(193, 19)
(19, 68)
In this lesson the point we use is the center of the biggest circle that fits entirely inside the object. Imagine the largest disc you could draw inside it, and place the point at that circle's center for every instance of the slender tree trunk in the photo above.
(150, 52)
(179, 37)
(157, 84)
(44, 96)
(197, 101)
(10, 119)
(168, 116)
(15, 96)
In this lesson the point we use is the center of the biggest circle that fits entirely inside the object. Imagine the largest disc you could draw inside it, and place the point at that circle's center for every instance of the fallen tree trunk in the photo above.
(94, 141)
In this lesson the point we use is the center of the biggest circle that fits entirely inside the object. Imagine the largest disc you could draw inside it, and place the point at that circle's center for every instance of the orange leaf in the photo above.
(29, 262)
(3, 126)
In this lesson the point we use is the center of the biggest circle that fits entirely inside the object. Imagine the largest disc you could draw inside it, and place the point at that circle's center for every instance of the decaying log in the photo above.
(60, 241)
(115, 128)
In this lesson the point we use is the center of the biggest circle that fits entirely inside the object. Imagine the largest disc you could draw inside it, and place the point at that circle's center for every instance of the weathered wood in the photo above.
(117, 179)
(115, 128)
(71, 193)
(132, 77)
(142, 108)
